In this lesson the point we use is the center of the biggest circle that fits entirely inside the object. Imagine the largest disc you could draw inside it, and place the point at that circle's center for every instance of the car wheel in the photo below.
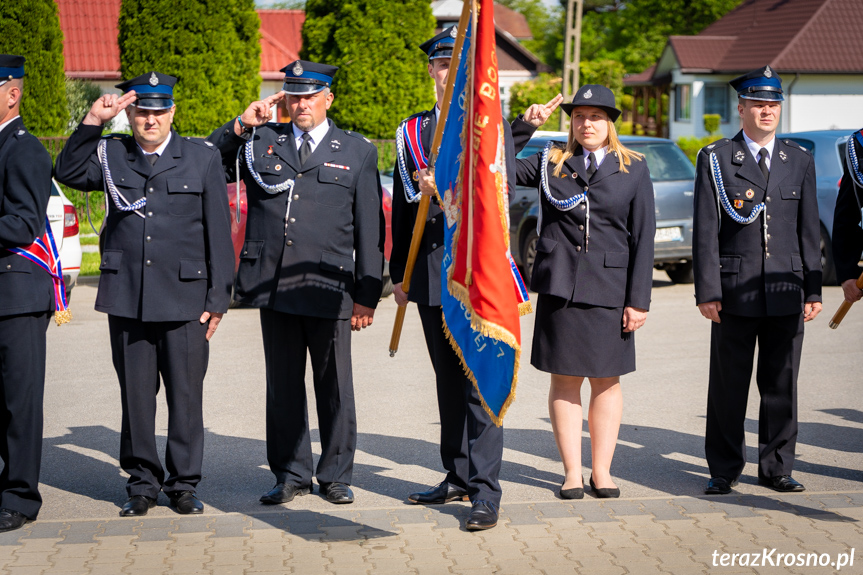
(829, 268)
(680, 273)
(388, 287)
(528, 255)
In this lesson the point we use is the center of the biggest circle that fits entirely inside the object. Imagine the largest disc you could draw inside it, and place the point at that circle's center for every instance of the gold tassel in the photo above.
(61, 317)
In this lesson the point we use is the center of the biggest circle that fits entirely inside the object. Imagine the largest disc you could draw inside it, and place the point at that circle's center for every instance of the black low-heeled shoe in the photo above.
(604, 492)
(573, 492)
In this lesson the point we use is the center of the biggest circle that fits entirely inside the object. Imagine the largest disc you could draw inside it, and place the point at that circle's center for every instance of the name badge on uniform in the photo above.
(337, 166)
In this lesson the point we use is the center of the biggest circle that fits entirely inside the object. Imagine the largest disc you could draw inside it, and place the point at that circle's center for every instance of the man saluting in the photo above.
(167, 268)
(312, 262)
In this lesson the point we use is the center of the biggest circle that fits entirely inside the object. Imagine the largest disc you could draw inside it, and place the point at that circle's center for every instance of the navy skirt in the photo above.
(580, 340)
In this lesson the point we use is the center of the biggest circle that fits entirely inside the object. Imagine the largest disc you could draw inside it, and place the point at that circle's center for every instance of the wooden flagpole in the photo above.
(422, 211)
(846, 305)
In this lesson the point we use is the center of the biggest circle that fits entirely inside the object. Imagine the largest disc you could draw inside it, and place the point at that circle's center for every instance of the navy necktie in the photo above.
(591, 169)
(305, 148)
(762, 163)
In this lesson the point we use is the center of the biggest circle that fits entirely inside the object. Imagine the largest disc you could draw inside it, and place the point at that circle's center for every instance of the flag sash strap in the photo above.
(43, 252)
(409, 136)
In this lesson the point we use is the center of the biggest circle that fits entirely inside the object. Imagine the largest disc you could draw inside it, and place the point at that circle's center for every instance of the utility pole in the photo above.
(571, 43)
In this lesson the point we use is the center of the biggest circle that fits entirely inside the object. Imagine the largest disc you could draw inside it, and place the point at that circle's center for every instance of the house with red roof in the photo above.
(91, 51)
(816, 46)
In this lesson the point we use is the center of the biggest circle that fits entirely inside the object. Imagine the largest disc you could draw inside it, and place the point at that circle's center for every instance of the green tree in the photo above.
(546, 26)
(382, 75)
(537, 91)
(211, 46)
(31, 28)
(634, 32)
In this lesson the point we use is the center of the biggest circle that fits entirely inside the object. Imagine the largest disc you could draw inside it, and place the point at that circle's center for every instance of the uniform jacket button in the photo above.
(580, 227)
(299, 175)
(293, 220)
(433, 220)
(296, 196)
(768, 198)
(148, 238)
(149, 262)
(151, 189)
(434, 246)
(8, 266)
(290, 242)
(150, 214)
(341, 268)
(578, 248)
(768, 217)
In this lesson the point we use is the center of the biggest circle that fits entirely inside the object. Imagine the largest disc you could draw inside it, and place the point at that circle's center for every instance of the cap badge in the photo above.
(297, 69)
(750, 194)
(710, 146)
(738, 204)
(783, 155)
(588, 95)
(453, 32)
(739, 155)
(154, 80)
(768, 73)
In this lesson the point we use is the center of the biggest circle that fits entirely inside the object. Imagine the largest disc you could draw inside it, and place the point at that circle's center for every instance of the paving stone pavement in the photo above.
(676, 535)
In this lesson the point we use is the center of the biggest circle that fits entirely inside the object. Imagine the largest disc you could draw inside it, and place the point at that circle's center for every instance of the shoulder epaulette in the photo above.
(794, 145)
(715, 145)
(356, 135)
(199, 141)
(20, 132)
(116, 136)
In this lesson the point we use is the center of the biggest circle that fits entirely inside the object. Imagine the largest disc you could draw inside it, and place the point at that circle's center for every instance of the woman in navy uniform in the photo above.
(26, 302)
(757, 266)
(593, 274)
(167, 266)
(847, 233)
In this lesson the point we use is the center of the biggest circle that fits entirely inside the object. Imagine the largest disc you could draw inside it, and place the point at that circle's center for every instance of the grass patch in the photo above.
(90, 240)
(90, 263)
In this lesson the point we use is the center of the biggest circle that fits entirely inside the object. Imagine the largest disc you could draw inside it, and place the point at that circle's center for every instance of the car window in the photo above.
(530, 150)
(666, 161)
(54, 190)
(841, 147)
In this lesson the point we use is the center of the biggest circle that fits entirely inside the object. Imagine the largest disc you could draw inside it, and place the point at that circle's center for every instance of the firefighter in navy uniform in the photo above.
(26, 303)
(312, 262)
(847, 232)
(471, 445)
(167, 268)
(757, 267)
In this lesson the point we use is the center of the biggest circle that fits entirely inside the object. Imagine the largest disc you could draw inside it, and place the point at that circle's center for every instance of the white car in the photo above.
(64, 225)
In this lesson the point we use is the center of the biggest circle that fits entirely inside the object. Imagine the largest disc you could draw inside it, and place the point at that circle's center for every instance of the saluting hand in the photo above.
(537, 114)
(214, 319)
(258, 113)
(633, 318)
(106, 107)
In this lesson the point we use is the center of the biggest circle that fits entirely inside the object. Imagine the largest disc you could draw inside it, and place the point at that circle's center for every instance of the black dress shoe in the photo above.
(573, 492)
(186, 503)
(11, 520)
(719, 486)
(782, 483)
(444, 492)
(338, 493)
(604, 492)
(137, 506)
(483, 515)
(282, 493)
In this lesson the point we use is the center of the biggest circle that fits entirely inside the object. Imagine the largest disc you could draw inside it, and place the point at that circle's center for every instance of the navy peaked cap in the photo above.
(442, 45)
(11, 67)
(760, 84)
(304, 77)
(594, 95)
(153, 91)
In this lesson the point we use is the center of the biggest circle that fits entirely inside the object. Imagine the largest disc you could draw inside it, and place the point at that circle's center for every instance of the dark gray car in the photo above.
(828, 147)
(673, 176)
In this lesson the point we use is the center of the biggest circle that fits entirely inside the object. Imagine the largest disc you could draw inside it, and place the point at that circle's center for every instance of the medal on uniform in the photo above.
(738, 204)
(750, 194)
(278, 167)
(270, 150)
(563, 174)
(416, 176)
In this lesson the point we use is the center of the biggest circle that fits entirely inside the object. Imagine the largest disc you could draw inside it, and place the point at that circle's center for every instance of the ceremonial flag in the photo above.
(482, 294)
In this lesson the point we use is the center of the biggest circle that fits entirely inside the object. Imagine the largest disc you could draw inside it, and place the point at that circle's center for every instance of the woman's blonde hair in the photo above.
(558, 156)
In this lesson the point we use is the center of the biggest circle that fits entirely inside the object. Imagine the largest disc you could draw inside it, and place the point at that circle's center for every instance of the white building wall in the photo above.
(823, 102)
